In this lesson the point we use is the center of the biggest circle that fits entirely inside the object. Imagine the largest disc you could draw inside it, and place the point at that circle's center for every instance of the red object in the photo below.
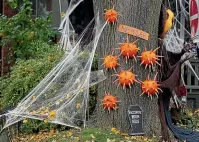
(193, 17)
(183, 91)
(7, 10)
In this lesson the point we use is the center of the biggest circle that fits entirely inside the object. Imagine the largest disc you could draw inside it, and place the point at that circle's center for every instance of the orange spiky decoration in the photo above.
(111, 15)
(129, 50)
(109, 102)
(111, 62)
(126, 78)
(150, 87)
(149, 58)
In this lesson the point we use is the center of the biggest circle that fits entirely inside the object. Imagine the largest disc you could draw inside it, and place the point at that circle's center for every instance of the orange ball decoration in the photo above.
(126, 78)
(129, 50)
(149, 58)
(111, 15)
(109, 102)
(111, 62)
(150, 87)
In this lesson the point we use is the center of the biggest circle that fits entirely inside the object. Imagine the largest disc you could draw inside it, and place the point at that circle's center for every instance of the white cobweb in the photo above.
(174, 40)
(66, 28)
(62, 96)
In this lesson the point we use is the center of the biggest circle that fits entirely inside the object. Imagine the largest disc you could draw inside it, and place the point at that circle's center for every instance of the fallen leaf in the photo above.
(69, 134)
(110, 140)
(25, 121)
(92, 136)
(78, 105)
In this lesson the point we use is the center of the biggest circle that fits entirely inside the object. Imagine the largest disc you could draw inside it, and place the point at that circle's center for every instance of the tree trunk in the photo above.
(144, 15)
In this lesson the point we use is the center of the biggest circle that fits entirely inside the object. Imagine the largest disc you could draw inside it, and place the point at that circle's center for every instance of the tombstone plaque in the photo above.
(135, 114)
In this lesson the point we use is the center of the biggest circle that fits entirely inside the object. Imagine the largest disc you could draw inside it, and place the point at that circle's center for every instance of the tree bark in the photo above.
(144, 15)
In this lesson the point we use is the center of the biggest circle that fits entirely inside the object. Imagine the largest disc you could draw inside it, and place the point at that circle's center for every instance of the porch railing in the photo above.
(192, 83)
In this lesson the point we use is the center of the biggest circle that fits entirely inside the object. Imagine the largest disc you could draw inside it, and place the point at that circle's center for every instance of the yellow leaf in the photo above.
(114, 130)
(25, 121)
(76, 138)
(110, 140)
(46, 111)
(52, 115)
(128, 138)
(33, 97)
(92, 136)
(78, 106)
(45, 121)
(34, 112)
(190, 114)
(124, 134)
(51, 132)
(42, 112)
(63, 14)
(67, 96)
(69, 133)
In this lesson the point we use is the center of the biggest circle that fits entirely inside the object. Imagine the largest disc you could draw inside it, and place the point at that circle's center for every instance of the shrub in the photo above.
(23, 32)
(189, 119)
(26, 74)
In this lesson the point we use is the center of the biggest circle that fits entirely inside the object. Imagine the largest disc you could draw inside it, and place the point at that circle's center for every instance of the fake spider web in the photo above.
(62, 96)
(173, 42)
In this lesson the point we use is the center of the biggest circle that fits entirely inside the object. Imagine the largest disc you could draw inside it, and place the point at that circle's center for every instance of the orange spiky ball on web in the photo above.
(111, 15)
(149, 58)
(110, 62)
(126, 78)
(150, 87)
(109, 102)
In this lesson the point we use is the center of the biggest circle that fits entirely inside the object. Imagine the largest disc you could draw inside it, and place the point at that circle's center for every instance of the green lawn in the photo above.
(86, 135)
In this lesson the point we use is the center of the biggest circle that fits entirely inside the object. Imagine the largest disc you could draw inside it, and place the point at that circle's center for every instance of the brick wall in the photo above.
(7, 10)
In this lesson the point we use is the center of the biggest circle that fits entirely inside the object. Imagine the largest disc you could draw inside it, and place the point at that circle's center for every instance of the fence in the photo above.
(192, 83)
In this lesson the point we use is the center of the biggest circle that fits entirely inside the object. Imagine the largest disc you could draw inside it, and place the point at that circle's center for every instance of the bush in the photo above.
(23, 32)
(26, 74)
(34, 126)
(34, 56)
(189, 119)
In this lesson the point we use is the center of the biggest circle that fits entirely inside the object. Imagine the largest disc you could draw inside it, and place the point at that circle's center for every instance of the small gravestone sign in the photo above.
(135, 114)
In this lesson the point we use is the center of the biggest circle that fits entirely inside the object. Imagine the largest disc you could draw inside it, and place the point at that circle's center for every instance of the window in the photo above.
(40, 7)
(1, 6)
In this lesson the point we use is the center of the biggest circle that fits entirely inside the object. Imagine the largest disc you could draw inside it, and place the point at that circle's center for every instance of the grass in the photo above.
(85, 135)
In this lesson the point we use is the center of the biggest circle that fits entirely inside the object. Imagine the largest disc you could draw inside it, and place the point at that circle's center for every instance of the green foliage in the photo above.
(84, 135)
(23, 32)
(99, 135)
(189, 119)
(26, 74)
(34, 126)
(35, 57)
(96, 135)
